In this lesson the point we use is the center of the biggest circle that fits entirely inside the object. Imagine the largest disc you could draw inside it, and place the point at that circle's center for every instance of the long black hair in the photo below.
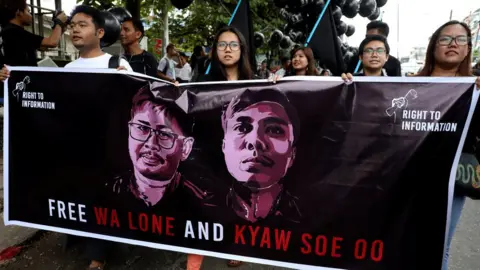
(217, 71)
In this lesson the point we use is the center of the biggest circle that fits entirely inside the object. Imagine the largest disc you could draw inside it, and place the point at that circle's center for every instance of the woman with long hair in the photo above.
(303, 62)
(230, 60)
(449, 54)
(229, 63)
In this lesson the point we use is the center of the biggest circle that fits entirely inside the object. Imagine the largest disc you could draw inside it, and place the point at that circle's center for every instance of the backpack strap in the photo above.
(167, 65)
(114, 61)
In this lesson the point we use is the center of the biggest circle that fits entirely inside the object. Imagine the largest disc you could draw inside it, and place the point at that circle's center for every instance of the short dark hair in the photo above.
(137, 24)
(252, 96)
(9, 9)
(170, 46)
(96, 15)
(165, 100)
(285, 59)
(380, 26)
(371, 38)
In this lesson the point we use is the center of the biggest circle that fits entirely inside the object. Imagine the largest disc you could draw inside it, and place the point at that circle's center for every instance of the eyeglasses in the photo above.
(234, 46)
(379, 51)
(142, 133)
(447, 40)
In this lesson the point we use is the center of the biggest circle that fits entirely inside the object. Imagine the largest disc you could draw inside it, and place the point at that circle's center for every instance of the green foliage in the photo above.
(476, 53)
(197, 24)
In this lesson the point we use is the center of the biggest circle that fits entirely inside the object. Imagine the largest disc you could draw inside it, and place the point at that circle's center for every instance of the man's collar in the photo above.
(383, 73)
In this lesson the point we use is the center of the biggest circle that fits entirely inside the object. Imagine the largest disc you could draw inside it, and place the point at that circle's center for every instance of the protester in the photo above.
(392, 66)
(449, 54)
(476, 69)
(184, 74)
(303, 62)
(140, 60)
(374, 54)
(230, 62)
(166, 66)
(19, 46)
(197, 61)
(229, 57)
(263, 72)
(87, 29)
(285, 67)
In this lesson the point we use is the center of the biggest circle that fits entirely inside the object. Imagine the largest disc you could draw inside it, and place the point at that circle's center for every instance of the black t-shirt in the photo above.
(19, 46)
(144, 63)
(392, 66)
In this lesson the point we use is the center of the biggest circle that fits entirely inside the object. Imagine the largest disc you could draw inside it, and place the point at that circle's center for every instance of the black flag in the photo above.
(325, 44)
(242, 20)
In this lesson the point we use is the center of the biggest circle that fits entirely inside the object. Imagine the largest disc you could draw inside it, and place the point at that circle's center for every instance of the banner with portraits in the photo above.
(308, 172)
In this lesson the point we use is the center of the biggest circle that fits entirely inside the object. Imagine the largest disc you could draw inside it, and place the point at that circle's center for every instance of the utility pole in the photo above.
(165, 27)
(398, 29)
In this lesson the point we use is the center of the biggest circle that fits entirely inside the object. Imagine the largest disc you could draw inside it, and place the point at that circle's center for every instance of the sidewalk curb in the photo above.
(16, 235)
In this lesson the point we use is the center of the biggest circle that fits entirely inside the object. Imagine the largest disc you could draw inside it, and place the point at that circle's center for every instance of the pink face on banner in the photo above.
(454, 53)
(258, 144)
(155, 143)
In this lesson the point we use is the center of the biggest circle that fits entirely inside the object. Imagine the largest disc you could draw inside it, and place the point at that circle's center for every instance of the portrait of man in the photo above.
(261, 129)
(158, 142)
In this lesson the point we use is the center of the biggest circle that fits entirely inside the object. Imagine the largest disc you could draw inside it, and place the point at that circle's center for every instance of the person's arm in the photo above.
(180, 63)
(4, 73)
(52, 40)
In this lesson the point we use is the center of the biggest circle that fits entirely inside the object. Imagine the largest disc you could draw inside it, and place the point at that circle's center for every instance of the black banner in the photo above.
(307, 172)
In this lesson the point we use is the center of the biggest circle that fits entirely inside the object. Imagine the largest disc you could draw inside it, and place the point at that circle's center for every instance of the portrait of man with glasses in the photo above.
(158, 142)
(374, 53)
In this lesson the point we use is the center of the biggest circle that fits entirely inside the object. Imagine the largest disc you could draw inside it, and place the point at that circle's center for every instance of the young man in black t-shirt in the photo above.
(140, 60)
(374, 53)
(19, 46)
(392, 66)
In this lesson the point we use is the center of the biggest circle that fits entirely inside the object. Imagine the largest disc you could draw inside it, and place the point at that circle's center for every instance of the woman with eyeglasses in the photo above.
(449, 54)
(229, 57)
(229, 63)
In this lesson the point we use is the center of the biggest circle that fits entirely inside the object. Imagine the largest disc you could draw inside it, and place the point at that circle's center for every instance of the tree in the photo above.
(196, 24)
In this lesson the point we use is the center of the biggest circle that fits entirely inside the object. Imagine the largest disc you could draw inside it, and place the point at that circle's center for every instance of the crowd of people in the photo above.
(449, 54)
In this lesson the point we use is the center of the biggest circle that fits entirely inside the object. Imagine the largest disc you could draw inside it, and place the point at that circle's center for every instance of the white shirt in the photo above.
(96, 62)
(185, 73)
(280, 73)
(170, 69)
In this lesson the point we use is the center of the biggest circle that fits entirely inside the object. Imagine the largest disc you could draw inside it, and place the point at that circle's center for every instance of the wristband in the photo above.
(56, 22)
